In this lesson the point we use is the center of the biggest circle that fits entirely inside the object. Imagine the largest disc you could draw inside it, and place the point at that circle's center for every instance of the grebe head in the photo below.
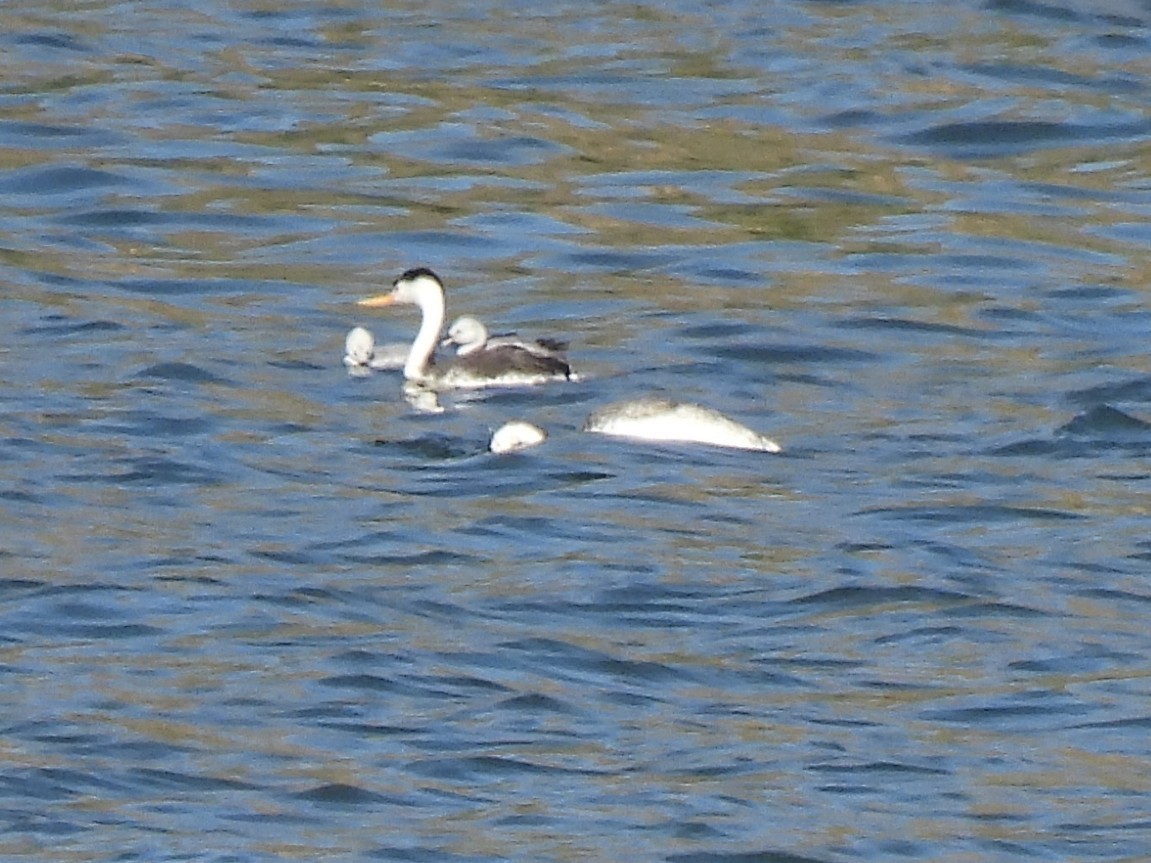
(415, 287)
(359, 347)
(468, 333)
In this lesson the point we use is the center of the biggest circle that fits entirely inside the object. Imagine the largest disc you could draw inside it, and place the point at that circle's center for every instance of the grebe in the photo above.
(361, 353)
(651, 419)
(516, 435)
(503, 366)
(470, 335)
(657, 419)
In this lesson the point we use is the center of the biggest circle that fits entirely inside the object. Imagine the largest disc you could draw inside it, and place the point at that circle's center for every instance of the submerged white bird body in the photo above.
(501, 366)
(516, 435)
(470, 335)
(651, 419)
(657, 419)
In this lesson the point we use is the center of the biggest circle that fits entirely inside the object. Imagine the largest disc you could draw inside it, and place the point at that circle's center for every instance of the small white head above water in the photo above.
(516, 435)
(359, 346)
(361, 352)
(658, 419)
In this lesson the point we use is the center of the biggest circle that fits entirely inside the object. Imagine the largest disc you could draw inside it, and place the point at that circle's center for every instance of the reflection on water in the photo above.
(256, 608)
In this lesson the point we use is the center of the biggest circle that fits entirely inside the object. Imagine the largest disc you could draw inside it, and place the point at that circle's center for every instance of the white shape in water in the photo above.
(657, 419)
(516, 435)
(504, 366)
(393, 355)
(470, 335)
(359, 346)
(362, 353)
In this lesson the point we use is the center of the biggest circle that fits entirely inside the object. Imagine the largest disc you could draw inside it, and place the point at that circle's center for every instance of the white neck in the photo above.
(431, 305)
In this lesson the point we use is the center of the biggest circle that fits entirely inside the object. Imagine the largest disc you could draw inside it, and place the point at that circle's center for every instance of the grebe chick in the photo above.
(470, 335)
(361, 353)
(359, 345)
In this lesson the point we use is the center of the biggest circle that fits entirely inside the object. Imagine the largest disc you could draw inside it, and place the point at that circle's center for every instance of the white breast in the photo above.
(516, 435)
(662, 420)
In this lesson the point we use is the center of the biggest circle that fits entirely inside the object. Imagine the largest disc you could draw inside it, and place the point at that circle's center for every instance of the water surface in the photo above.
(255, 608)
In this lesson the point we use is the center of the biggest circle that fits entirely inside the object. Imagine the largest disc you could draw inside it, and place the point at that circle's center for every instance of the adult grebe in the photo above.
(362, 354)
(658, 419)
(650, 419)
(470, 335)
(505, 366)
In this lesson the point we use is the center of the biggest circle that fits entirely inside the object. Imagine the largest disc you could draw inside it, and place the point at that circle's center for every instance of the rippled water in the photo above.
(254, 608)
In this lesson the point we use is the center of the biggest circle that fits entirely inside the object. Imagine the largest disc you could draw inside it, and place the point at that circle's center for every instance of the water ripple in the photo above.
(255, 607)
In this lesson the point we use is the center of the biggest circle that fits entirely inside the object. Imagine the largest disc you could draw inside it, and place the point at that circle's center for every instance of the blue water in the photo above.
(255, 608)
